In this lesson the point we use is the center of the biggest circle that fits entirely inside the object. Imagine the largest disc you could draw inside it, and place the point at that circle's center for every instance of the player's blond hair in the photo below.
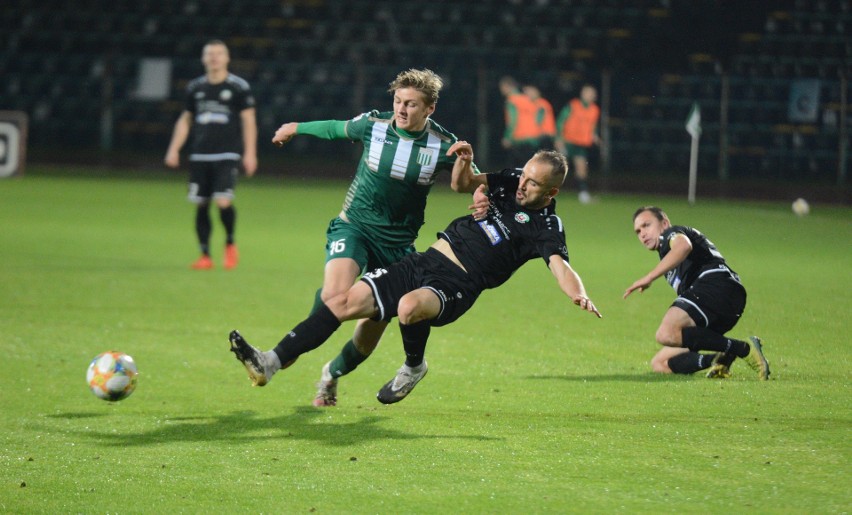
(425, 81)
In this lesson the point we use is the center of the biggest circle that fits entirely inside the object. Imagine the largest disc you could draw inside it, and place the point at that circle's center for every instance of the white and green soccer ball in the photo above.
(112, 376)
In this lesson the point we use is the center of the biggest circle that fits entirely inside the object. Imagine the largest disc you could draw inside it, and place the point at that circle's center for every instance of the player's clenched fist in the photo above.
(285, 133)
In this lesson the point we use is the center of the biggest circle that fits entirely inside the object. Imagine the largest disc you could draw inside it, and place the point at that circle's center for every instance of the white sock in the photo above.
(417, 369)
(273, 361)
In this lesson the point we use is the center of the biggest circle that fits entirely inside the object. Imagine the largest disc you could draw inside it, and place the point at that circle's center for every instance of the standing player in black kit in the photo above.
(710, 301)
(220, 115)
(436, 287)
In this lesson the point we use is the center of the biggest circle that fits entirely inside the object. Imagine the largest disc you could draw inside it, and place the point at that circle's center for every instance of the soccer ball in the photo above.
(801, 207)
(112, 376)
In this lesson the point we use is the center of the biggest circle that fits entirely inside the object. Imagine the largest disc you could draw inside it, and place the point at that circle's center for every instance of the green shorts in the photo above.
(572, 151)
(345, 240)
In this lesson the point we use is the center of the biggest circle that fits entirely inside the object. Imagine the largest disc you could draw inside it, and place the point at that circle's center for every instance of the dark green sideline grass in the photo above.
(530, 405)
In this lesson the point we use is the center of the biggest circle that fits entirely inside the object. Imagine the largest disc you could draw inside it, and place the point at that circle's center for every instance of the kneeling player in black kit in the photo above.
(436, 287)
(710, 301)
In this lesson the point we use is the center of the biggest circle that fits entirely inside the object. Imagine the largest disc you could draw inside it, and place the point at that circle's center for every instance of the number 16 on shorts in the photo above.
(336, 247)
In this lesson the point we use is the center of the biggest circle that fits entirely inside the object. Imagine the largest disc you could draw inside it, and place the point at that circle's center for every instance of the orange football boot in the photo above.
(232, 257)
(203, 263)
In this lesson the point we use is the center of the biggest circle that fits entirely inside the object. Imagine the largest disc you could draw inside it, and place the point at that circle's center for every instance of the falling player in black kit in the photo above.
(220, 115)
(710, 301)
(436, 287)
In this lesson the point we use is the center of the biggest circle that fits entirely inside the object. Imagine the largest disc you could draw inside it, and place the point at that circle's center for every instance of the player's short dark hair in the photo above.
(216, 42)
(558, 165)
(425, 81)
(658, 213)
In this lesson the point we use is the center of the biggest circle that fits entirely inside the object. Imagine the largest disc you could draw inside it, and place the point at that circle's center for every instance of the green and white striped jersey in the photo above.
(387, 198)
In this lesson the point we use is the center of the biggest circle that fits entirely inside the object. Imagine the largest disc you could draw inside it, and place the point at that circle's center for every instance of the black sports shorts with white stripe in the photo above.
(431, 270)
(716, 300)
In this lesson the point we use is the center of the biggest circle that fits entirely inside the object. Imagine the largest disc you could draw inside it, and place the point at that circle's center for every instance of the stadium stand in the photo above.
(316, 59)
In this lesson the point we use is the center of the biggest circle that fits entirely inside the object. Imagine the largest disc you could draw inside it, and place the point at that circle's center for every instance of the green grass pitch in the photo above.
(530, 406)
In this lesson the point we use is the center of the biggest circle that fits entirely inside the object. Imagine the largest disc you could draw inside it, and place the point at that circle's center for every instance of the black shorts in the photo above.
(716, 301)
(431, 270)
(212, 179)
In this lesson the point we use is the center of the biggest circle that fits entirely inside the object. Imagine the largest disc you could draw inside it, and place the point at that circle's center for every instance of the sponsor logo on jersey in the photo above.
(425, 156)
(522, 218)
(208, 118)
(382, 141)
(491, 232)
(226, 94)
(673, 279)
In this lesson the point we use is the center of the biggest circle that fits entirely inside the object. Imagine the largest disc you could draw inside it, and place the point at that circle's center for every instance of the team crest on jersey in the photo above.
(225, 94)
(522, 218)
(425, 156)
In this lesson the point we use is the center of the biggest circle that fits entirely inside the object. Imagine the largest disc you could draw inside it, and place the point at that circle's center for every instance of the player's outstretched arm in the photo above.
(323, 129)
(680, 249)
(571, 284)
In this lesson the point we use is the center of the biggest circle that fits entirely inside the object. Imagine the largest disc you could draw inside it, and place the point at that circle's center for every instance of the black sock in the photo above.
(582, 185)
(228, 215)
(308, 335)
(414, 338)
(700, 338)
(690, 362)
(202, 227)
(727, 359)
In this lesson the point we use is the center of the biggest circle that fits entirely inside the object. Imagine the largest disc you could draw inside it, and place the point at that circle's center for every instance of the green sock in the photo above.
(347, 361)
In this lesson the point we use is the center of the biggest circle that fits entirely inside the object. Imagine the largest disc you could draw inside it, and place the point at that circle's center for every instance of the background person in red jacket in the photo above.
(577, 132)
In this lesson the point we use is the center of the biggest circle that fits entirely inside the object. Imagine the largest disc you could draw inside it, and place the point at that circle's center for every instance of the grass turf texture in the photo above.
(530, 405)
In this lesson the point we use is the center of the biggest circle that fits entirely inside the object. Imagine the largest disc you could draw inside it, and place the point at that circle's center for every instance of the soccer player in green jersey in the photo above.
(404, 151)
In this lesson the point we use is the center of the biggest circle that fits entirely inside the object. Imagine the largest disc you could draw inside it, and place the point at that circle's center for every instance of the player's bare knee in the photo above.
(668, 336)
(408, 310)
(328, 293)
(337, 304)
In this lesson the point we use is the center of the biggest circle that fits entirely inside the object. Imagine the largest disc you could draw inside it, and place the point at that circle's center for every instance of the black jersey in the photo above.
(704, 258)
(493, 248)
(216, 122)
